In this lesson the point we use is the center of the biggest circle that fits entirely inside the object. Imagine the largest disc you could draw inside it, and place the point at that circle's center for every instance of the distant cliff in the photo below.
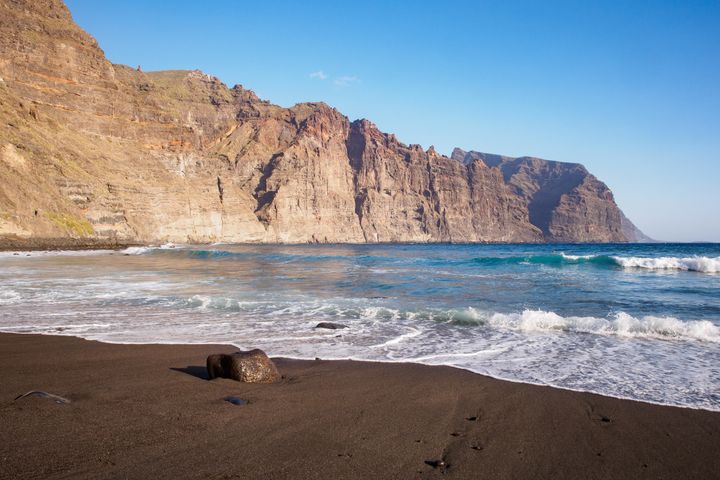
(96, 153)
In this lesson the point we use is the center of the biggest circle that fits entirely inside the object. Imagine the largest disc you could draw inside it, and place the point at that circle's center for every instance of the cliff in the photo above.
(96, 153)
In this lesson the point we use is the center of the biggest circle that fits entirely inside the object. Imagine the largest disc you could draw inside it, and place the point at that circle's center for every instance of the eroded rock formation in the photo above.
(92, 152)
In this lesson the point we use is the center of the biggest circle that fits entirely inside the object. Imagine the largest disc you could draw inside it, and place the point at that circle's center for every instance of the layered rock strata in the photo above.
(96, 153)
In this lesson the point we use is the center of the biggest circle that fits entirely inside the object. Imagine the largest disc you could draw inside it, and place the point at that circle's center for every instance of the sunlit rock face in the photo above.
(96, 153)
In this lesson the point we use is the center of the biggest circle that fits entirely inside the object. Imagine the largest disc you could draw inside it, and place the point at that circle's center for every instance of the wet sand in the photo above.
(148, 411)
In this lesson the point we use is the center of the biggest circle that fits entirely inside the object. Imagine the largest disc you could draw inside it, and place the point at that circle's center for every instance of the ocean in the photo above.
(638, 321)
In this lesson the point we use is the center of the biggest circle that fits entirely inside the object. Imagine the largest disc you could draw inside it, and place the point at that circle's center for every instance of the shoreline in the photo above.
(8, 245)
(31, 244)
(146, 410)
(380, 362)
(18, 244)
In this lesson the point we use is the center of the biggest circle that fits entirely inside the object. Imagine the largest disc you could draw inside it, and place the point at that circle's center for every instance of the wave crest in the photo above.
(147, 249)
(693, 264)
(621, 324)
(135, 250)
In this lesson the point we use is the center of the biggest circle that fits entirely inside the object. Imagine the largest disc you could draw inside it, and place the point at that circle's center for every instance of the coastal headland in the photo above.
(96, 153)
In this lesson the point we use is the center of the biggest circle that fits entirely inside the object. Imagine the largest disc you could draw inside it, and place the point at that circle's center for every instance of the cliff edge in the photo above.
(93, 153)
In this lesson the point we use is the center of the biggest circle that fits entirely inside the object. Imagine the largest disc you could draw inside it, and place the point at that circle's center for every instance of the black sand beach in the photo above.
(147, 411)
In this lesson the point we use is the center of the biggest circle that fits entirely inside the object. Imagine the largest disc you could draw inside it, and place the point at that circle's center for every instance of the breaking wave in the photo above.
(136, 250)
(550, 259)
(148, 249)
(692, 264)
(620, 324)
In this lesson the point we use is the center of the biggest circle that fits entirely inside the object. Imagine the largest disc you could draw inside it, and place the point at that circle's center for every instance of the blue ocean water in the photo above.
(639, 321)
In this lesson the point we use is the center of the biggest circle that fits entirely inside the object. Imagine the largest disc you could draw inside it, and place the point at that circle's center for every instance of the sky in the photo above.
(629, 89)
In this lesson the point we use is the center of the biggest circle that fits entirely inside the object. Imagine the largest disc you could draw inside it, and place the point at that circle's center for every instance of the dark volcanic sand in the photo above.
(146, 411)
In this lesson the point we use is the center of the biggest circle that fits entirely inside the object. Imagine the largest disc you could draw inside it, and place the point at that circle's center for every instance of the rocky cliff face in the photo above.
(565, 201)
(92, 152)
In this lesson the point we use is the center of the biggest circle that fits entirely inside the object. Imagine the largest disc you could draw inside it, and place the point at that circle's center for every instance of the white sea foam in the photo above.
(621, 324)
(149, 248)
(694, 264)
(59, 328)
(576, 257)
(136, 250)
(411, 333)
(8, 297)
(209, 303)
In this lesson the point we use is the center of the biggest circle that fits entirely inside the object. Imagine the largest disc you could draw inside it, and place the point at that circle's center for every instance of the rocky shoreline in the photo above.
(10, 244)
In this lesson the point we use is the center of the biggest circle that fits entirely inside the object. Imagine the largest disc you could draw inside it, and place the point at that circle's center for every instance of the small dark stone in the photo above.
(605, 419)
(236, 400)
(455, 434)
(435, 463)
(330, 325)
(476, 447)
(471, 419)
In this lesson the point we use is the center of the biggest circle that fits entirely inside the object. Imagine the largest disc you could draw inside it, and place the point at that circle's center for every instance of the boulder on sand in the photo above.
(253, 366)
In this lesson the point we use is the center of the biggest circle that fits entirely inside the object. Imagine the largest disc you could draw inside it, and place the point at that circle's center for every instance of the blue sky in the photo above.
(629, 89)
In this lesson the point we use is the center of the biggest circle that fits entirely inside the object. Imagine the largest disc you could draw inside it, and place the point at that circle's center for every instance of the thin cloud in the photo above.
(320, 75)
(346, 80)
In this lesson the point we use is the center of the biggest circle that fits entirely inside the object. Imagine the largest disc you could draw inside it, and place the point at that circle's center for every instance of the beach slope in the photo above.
(147, 411)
